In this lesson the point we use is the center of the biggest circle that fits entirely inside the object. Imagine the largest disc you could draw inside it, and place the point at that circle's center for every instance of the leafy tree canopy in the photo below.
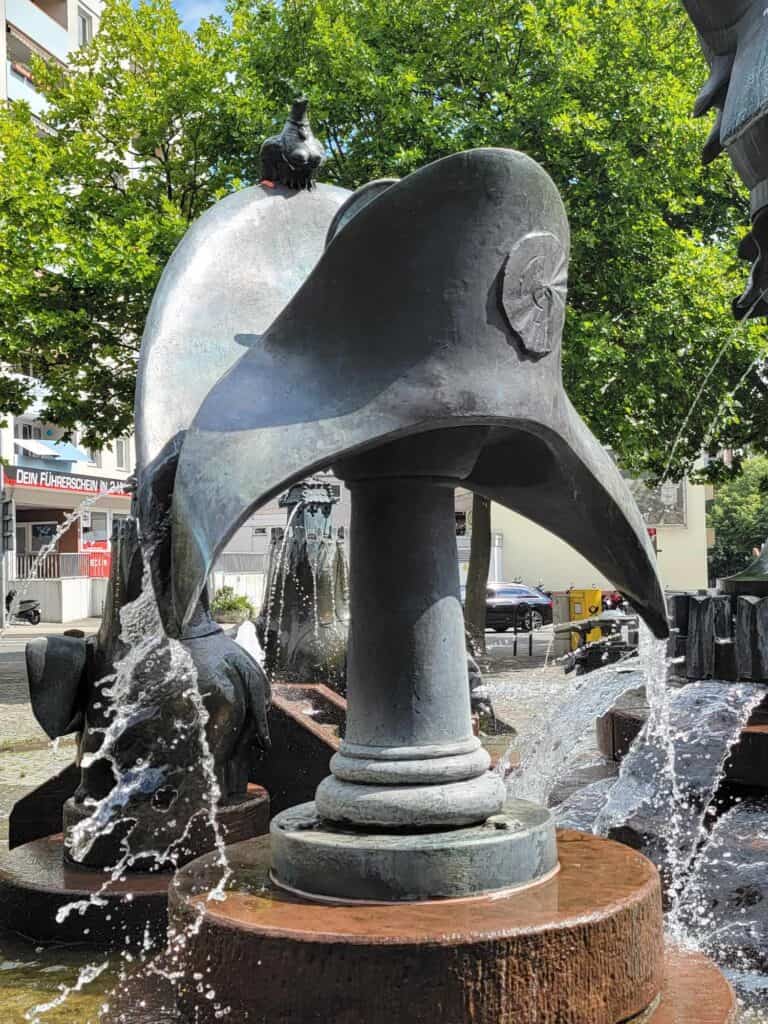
(739, 515)
(152, 125)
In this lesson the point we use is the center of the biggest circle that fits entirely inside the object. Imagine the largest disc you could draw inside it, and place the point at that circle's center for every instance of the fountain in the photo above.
(407, 335)
(305, 613)
(411, 888)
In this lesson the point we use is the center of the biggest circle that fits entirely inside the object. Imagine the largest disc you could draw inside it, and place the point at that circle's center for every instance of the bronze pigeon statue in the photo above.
(292, 157)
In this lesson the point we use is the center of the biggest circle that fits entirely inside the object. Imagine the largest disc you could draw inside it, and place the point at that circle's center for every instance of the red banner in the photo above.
(50, 480)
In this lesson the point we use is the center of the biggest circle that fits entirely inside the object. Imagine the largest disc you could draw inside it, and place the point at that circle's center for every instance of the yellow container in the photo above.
(583, 604)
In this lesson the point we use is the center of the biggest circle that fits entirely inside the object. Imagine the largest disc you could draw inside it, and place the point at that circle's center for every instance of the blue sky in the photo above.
(193, 10)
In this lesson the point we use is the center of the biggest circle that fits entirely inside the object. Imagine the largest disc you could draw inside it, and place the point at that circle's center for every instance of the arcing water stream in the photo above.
(154, 668)
(663, 800)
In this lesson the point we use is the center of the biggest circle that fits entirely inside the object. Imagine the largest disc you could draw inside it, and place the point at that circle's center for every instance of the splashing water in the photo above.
(279, 571)
(249, 641)
(86, 976)
(548, 754)
(153, 668)
(669, 779)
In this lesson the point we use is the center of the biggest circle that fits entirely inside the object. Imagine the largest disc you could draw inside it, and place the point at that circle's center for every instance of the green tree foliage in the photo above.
(91, 209)
(739, 516)
(153, 125)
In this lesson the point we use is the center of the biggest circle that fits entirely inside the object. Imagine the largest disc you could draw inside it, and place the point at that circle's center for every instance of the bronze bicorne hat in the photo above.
(438, 304)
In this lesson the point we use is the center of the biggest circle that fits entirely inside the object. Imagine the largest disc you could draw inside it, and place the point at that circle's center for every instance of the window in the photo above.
(43, 535)
(95, 531)
(121, 453)
(84, 27)
(94, 454)
(27, 431)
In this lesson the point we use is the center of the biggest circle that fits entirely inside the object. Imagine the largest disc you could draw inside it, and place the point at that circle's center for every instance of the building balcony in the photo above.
(21, 88)
(39, 28)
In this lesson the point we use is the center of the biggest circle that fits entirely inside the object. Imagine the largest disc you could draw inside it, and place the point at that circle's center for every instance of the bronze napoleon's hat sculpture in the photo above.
(435, 314)
(734, 37)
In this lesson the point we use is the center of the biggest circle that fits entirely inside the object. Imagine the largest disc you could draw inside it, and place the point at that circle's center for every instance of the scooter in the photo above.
(28, 609)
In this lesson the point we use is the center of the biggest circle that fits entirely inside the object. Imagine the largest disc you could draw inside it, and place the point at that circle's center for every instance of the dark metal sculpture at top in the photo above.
(734, 37)
(294, 156)
(422, 352)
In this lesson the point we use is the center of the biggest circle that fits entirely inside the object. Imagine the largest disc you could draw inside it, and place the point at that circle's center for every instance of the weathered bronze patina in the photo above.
(734, 37)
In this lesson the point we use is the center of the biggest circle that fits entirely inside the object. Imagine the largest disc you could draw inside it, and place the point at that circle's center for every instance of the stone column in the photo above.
(409, 757)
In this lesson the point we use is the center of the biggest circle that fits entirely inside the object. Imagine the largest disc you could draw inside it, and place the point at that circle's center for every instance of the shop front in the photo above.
(62, 524)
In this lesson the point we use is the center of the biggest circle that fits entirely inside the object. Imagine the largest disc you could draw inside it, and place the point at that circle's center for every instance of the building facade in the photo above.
(50, 29)
(61, 503)
(676, 520)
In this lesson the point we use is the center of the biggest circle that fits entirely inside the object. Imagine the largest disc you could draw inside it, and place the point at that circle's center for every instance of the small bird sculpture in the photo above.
(292, 157)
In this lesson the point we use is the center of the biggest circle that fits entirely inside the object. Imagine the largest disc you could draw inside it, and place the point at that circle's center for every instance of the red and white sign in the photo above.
(50, 480)
(99, 563)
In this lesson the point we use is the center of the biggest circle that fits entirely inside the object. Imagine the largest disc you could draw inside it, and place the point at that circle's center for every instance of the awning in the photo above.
(66, 451)
(39, 448)
(52, 449)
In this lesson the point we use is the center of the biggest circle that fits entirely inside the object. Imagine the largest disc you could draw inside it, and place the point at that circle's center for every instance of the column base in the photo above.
(327, 862)
(451, 805)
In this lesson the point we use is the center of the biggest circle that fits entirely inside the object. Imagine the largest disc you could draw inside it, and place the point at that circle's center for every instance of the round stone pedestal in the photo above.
(37, 881)
(693, 992)
(322, 861)
(585, 946)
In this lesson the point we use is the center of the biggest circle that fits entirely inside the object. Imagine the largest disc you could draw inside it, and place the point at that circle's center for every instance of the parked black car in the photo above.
(514, 605)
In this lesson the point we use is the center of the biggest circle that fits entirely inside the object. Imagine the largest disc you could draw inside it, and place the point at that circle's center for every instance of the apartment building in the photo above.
(675, 515)
(52, 29)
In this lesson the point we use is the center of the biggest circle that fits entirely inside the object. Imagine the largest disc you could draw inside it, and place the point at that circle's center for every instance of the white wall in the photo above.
(98, 597)
(249, 584)
(683, 549)
(61, 600)
(536, 555)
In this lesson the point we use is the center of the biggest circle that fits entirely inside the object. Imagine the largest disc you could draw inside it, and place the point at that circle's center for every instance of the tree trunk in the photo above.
(477, 574)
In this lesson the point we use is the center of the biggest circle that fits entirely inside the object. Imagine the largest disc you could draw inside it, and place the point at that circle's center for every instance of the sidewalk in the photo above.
(23, 631)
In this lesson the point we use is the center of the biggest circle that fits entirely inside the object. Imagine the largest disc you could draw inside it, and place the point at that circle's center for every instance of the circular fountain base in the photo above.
(37, 881)
(322, 861)
(585, 946)
(693, 992)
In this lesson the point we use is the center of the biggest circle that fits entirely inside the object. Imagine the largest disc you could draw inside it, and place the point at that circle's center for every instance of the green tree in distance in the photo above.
(152, 125)
(739, 516)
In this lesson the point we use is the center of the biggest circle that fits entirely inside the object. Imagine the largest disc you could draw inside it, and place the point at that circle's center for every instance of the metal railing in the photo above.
(54, 566)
